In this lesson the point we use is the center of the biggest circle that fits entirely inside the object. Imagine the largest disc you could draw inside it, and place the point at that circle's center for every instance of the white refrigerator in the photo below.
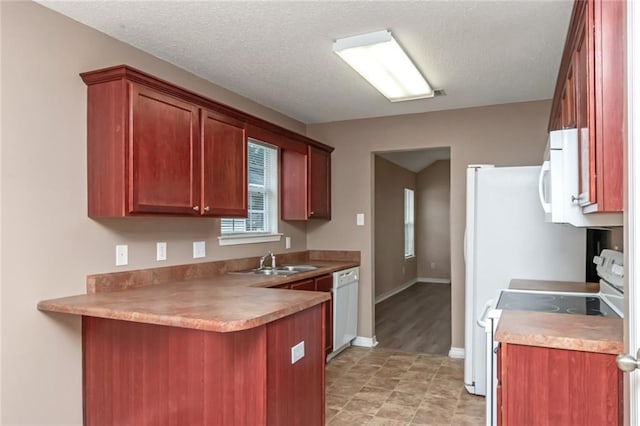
(507, 237)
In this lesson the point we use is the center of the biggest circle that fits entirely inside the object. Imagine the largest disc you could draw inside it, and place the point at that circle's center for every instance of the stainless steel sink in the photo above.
(297, 268)
(280, 270)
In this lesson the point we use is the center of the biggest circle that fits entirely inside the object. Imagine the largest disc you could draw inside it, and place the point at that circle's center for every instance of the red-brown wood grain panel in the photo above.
(106, 115)
(325, 283)
(319, 195)
(609, 18)
(296, 391)
(144, 374)
(309, 285)
(224, 166)
(544, 386)
(293, 185)
(164, 168)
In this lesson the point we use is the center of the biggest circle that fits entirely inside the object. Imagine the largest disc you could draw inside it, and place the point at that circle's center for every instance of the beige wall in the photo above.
(432, 221)
(392, 270)
(512, 134)
(49, 244)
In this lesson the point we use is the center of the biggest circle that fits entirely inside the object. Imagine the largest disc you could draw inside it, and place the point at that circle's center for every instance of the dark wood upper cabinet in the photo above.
(163, 156)
(306, 184)
(156, 149)
(224, 165)
(589, 96)
(319, 183)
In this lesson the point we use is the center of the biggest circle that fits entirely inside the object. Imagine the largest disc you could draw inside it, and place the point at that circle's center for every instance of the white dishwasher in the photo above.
(345, 308)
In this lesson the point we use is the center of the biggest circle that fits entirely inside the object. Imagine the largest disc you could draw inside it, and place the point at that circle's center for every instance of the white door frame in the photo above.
(632, 211)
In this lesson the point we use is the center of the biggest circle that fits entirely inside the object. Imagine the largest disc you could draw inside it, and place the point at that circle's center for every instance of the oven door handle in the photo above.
(482, 321)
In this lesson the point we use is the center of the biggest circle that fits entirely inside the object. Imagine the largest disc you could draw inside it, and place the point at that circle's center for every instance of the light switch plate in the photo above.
(360, 219)
(297, 352)
(122, 255)
(161, 251)
(199, 249)
(287, 242)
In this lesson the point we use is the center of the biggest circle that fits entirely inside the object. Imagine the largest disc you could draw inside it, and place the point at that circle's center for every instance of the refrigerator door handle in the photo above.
(546, 169)
(482, 321)
(464, 251)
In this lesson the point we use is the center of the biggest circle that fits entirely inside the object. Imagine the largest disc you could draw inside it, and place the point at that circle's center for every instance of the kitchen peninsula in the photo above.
(192, 344)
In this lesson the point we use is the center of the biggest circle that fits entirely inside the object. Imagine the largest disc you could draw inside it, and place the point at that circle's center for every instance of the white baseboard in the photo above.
(393, 292)
(434, 280)
(456, 352)
(366, 342)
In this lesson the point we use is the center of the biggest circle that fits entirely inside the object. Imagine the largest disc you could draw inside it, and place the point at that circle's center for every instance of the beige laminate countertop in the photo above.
(223, 303)
(560, 331)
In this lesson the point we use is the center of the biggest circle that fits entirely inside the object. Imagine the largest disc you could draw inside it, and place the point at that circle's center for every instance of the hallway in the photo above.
(417, 319)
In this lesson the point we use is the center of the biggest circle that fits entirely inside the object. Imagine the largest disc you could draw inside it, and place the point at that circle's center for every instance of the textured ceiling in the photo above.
(279, 53)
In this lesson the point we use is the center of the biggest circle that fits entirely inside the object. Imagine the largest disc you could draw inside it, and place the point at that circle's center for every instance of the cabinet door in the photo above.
(163, 160)
(224, 166)
(558, 390)
(304, 285)
(319, 196)
(584, 117)
(568, 102)
(293, 185)
(609, 58)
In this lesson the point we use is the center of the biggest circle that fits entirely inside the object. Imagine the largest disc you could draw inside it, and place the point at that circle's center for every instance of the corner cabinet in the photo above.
(306, 184)
(589, 96)
(151, 151)
(547, 386)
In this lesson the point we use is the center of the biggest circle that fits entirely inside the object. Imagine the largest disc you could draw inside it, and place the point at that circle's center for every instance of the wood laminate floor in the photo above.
(417, 319)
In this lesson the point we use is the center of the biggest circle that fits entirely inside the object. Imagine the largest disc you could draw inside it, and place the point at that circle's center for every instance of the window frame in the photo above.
(409, 224)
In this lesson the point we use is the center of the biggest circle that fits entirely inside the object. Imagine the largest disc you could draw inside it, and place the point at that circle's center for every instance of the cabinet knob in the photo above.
(207, 209)
(196, 208)
(627, 362)
(311, 213)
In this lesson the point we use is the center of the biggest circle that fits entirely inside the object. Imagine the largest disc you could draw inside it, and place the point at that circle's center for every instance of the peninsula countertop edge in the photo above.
(222, 303)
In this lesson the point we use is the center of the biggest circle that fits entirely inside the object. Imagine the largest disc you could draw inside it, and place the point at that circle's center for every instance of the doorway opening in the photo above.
(412, 263)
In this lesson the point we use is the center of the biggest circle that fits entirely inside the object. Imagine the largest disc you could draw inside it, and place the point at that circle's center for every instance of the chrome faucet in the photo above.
(263, 258)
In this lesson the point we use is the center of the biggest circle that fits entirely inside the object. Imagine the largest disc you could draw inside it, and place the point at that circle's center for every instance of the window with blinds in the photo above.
(409, 233)
(262, 218)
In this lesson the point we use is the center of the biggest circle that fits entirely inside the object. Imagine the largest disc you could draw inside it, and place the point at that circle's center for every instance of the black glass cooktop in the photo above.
(560, 303)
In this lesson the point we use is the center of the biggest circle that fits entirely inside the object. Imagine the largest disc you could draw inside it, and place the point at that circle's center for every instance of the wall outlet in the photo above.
(360, 219)
(199, 249)
(287, 242)
(297, 352)
(122, 255)
(161, 251)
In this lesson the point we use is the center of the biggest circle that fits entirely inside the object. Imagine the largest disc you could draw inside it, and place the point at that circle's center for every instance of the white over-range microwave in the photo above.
(559, 188)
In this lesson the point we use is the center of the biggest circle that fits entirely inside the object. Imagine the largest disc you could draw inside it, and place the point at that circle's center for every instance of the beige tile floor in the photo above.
(388, 387)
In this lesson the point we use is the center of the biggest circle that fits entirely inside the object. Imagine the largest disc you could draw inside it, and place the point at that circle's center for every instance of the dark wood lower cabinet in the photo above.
(321, 283)
(145, 374)
(545, 386)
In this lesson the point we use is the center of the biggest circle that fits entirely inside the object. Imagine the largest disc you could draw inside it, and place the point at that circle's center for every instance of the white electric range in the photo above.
(607, 302)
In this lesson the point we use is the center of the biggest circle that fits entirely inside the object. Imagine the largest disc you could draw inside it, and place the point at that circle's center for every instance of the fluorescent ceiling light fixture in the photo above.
(381, 61)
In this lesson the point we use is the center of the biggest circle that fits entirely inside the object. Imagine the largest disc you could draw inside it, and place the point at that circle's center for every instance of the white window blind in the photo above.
(409, 233)
(262, 218)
